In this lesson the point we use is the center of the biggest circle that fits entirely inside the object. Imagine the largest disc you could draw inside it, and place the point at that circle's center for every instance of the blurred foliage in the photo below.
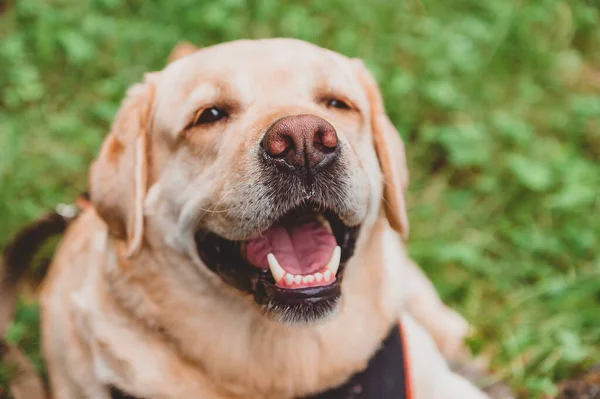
(498, 101)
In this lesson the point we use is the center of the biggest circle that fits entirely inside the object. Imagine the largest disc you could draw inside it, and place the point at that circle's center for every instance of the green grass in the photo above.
(498, 101)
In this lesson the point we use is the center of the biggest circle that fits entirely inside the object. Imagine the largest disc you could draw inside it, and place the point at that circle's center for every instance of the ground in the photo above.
(498, 102)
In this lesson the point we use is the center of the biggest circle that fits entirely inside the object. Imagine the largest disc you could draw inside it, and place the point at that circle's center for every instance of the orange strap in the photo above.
(406, 359)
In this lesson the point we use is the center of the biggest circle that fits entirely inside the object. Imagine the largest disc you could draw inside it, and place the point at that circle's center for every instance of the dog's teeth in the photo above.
(276, 269)
(281, 276)
(289, 279)
(334, 262)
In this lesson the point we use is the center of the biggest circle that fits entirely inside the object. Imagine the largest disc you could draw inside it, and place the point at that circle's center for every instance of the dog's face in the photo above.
(267, 157)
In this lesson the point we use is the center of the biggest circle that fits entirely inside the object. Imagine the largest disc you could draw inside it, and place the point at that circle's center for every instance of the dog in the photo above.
(245, 239)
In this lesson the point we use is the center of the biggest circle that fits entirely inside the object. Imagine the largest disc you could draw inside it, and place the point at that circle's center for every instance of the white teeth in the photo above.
(279, 274)
(289, 279)
(334, 262)
(276, 269)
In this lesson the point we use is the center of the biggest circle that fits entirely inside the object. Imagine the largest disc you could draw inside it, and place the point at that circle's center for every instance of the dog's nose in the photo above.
(301, 141)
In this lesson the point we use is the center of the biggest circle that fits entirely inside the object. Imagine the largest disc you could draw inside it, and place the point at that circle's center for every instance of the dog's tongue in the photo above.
(303, 248)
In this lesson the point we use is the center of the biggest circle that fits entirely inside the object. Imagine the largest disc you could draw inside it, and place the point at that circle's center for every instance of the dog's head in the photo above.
(266, 159)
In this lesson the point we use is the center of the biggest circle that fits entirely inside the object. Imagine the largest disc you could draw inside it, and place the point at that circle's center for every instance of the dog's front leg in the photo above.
(430, 376)
(447, 327)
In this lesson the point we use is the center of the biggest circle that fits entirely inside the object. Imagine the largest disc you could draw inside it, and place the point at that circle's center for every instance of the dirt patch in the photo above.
(586, 387)
(3, 6)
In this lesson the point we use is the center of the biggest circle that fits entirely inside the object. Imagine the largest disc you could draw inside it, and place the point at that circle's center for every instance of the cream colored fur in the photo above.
(129, 303)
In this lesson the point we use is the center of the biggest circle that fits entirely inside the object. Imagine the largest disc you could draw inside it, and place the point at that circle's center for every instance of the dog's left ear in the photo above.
(390, 151)
(181, 50)
(119, 175)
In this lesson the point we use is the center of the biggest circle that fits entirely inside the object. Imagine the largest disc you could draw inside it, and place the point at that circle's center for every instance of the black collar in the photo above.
(384, 378)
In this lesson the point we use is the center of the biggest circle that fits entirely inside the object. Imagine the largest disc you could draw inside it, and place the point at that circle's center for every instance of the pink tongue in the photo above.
(301, 249)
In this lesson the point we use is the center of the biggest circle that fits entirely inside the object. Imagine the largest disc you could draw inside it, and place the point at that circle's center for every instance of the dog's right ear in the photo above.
(390, 152)
(119, 176)
(183, 49)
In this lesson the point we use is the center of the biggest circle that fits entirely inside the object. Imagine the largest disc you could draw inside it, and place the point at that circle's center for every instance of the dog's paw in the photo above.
(478, 376)
(451, 331)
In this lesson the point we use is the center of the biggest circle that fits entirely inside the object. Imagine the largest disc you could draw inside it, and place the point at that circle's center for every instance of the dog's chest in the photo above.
(386, 376)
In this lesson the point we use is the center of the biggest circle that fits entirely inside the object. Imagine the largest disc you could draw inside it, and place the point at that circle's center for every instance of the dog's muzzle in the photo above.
(294, 266)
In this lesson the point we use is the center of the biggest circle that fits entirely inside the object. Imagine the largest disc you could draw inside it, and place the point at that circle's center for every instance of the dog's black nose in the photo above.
(301, 142)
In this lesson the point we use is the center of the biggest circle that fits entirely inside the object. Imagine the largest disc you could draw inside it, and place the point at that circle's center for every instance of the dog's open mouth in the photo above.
(294, 268)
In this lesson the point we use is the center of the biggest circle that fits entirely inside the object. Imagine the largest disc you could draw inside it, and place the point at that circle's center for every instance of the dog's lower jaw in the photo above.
(304, 315)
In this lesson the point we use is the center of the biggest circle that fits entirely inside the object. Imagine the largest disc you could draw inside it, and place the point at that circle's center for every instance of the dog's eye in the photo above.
(335, 103)
(209, 115)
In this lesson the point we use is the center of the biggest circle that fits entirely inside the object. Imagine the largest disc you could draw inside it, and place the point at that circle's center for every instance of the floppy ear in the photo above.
(390, 151)
(119, 175)
(182, 49)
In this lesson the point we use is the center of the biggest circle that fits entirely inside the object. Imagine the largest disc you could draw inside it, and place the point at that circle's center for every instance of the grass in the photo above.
(498, 102)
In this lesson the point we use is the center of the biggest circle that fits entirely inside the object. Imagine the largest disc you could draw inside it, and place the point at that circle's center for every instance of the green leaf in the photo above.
(571, 346)
(77, 48)
(534, 175)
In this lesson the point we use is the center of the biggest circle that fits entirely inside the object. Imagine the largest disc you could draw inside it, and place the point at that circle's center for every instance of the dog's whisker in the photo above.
(213, 210)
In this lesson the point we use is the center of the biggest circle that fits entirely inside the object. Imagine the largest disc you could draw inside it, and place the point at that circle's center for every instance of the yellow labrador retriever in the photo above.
(245, 239)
